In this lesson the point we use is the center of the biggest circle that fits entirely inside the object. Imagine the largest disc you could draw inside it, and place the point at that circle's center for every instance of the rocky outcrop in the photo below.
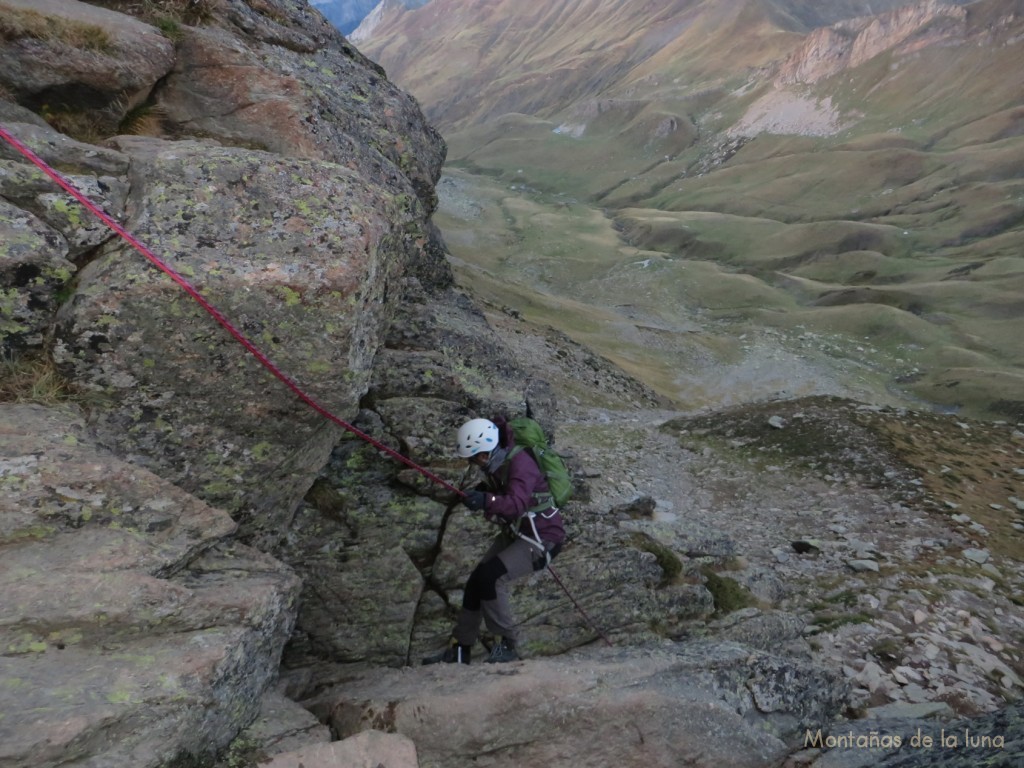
(284, 80)
(132, 629)
(277, 244)
(164, 629)
(305, 235)
(829, 50)
(124, 521)
(703, 705)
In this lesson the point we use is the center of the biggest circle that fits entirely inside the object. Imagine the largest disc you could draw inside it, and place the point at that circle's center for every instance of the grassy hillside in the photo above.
(876, 202)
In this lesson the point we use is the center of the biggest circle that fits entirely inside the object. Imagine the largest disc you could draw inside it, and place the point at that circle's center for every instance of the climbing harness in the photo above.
(240, 337)
(544, 505)
(547, 512)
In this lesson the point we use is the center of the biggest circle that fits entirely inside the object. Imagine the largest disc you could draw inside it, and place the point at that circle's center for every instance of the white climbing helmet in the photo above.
(477, 436)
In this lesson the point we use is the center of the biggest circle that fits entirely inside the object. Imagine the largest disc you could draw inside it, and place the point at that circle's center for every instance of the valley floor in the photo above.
(881, 541)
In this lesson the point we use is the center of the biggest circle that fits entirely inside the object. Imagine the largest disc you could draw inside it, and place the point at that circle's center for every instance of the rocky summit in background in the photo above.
(199, 570)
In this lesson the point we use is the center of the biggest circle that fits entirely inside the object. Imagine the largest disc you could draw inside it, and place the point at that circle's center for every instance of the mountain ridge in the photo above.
(640, 38)
(890, 141)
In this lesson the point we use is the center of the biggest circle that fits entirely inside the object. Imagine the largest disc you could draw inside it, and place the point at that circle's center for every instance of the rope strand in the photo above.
(240, 337)
(216, 313)
(579, 607)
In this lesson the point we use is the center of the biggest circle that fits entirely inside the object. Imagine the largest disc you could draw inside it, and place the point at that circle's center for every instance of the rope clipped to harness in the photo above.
(536, 541)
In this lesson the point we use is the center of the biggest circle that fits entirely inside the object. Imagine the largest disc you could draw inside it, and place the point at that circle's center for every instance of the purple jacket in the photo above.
(512, 495)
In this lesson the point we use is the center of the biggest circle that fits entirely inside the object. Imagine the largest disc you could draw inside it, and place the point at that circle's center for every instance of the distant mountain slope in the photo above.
(385, 11)
(811, 14)
(871, 169)
(468, 61)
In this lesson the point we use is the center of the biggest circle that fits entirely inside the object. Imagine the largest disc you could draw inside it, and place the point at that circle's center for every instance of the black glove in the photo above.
(475, 500)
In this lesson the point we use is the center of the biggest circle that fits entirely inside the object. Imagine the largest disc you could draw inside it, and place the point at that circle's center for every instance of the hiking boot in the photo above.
(502, 651)
(453, 654)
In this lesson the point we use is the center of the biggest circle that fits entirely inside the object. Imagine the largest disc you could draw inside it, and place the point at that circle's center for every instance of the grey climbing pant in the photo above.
(486, 596)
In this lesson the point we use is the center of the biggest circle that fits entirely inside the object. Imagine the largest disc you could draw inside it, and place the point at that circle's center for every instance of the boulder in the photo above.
(368, 749)
(134, 629)
(698, 705)
(298, 255)
(281, 726)
(82, 66)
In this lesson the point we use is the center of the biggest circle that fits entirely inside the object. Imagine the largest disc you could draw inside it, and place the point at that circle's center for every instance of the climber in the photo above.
(515, 495)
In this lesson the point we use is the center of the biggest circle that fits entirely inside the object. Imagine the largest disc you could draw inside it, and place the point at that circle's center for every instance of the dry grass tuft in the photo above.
(32, 379)
(143, 120)
(16, 24)
(89, 126)
(166, 14)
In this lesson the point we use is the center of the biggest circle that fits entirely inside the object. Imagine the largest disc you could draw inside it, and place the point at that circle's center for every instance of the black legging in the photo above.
(482, 583)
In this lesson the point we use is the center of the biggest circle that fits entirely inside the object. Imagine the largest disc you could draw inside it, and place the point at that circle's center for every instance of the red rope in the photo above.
(579, 607)
(240, 337)
(215, 313)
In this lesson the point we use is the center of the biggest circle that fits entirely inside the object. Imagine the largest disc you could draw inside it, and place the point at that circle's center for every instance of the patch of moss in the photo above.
(669, 562)
(170, 28)
(729, 595)
(243, 752)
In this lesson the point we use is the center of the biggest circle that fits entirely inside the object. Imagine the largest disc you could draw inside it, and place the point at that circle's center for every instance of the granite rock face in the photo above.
(705, 705)
(139, 628)
(186, 531)
(277, 76)
(298, 247)
(133, 630)
(298, 254)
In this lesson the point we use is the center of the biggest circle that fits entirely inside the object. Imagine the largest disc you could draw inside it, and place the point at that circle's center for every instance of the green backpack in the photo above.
(529, 434)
